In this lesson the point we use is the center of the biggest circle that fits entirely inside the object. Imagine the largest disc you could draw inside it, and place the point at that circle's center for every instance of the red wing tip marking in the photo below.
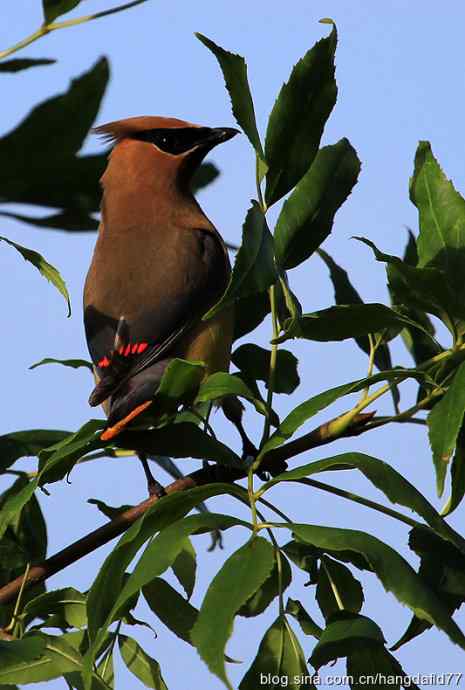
(125, 351)
(113, 431)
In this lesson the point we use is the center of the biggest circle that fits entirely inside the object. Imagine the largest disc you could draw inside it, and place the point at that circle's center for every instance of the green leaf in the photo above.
(73, 363)
(241, 576)
(106, 671)
(221, 384)
(457, 476)
(44, 658)
(307, 216)
(442, 568)
(254, 361)
(420, 346)
(109, 594)
(346, 321)
(394, 486)
(68, 602)
(396, 575)
(373, 663)
(304, 557)
(58, 460)
(53, 175)
(13, 502)
(204, 175)
(249, 312)
(269, 590)
(335, 579)
(185, 566)
(163, 550)
(234, 70)
(295, 609)
(441, 242)
(17, 65)
(109, 511)
(419, 288)
(312, 406)
(21, 444)
(55, 8)
(171, 608)
(279, 656)
(47, 270)
(183, 440)
(140, 663)
(254, 270)
(345, 293)
(179, 383)
(444, 422)
(341, 637)
(27, 524)
(298, 117)
(73, 220)
(288, 306)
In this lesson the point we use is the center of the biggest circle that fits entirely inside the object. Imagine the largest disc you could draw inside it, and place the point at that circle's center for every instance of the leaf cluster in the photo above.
(74, 635)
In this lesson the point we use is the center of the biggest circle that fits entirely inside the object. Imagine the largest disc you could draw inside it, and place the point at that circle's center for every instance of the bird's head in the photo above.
(161, 146)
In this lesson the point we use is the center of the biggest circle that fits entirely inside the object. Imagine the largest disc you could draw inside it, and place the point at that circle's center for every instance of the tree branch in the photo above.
(273, 462)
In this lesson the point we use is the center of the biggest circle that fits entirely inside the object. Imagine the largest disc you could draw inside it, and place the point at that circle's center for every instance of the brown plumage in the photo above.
(158, 265)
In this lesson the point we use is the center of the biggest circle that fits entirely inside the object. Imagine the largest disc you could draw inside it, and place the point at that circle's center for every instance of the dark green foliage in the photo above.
(298, 117)
(336, 560)
(254, 269)
(307, 216)
(17, 65)
(254, 362)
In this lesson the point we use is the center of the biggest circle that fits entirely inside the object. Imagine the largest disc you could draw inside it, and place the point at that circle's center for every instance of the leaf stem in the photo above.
(252, 500)
(334, 588)
(14, 617)
(261, 201)
(355, 498)
(273, 363)
(371, 361)
(276, 510)
(54, 26)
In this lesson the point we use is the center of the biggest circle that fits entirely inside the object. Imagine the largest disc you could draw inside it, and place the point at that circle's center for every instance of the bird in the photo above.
(159, 264)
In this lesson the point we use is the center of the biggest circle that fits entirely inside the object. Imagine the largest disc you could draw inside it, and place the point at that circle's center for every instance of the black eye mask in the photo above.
(175, 141)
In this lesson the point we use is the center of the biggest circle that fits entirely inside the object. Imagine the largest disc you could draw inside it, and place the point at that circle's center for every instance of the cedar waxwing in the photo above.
(158, 265)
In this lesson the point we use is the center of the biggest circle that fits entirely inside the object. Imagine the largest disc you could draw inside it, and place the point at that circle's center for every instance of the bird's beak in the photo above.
(218, 135)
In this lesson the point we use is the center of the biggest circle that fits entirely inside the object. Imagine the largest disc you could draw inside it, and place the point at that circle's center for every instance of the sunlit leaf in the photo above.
(279, 656)
(307, 216)
(240, 577)
(444, 422)
(47, 270)
(140, 663)
(395, 487)
(254, 269)
(298, 117)
(234, 70)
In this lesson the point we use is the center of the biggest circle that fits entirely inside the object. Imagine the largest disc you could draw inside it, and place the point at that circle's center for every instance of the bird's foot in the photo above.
(155, 488)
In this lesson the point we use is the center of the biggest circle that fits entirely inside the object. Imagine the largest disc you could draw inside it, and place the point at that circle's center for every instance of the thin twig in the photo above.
(359, 499)
(54, 26)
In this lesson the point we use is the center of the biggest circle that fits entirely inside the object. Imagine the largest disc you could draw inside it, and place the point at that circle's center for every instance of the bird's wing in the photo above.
(123, 347)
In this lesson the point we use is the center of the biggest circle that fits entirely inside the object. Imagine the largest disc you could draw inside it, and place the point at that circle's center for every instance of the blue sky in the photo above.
(401, 78)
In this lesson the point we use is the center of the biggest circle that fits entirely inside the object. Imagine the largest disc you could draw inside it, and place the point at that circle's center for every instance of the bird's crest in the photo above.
(118, 130)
